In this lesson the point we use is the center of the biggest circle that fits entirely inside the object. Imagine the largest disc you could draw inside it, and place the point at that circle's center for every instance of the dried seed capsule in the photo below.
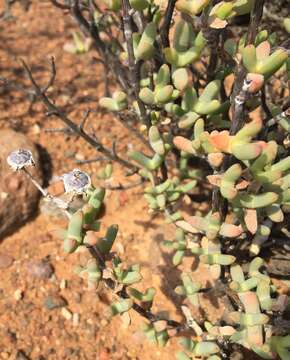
(20, 158)
(76, 181)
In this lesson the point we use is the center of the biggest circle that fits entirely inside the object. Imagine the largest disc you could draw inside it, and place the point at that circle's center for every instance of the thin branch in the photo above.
(61, 204)
(125, 123)
(59, 5)
(52, 77)
(264, 103)
(256, 17)
(124, 187)
(65, 130)
(35, 182)
(276, 119)
(133, 68)
(90, 161)
(239, 96)
(85, 118)
(93, 141)
(165, 27)
(110, 58)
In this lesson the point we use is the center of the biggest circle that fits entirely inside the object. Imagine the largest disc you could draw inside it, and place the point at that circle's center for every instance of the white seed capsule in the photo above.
(20, 158)
(76, 181)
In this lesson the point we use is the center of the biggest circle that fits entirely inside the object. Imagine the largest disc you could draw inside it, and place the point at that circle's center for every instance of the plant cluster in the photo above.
(193, 79)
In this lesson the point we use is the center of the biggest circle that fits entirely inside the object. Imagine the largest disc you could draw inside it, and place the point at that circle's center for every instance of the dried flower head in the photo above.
(76, 181)
(20, 158)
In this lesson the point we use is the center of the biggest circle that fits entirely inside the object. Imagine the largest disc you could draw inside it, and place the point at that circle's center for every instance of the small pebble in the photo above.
(54, 302)
(21, 355)
(104, 322)
(18, 294)
(76, 319)
(40, 269)
(120, 248)
(5, 261)
(77, 297)
(79, 156)
(62, 284)
(35, 129)
(66, 313)
(3, 195)
(4, 355)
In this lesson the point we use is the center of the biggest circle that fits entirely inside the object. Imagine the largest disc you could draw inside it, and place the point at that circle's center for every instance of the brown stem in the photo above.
(238, 107)
(122, 119)
(133, 68)
(164, 31)
(110, 58)
(62, 116)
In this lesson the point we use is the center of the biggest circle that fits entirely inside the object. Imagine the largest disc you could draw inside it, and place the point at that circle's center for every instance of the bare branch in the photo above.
(128, 34)
(164, 31)
(53, 75)
(125, 187)
(90, 161)
(59, 5)
(93, 141)
(85, 118)
(125, 123)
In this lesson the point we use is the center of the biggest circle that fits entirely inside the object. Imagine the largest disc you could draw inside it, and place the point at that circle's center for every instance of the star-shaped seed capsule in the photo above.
(76, 181)
(20, 158)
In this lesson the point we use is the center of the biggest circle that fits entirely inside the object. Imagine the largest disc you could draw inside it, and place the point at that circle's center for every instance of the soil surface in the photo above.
(46, 311)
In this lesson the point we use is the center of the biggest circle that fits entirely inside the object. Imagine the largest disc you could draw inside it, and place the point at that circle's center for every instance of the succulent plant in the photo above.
(214, 124)
(186, 47)
(116, 103)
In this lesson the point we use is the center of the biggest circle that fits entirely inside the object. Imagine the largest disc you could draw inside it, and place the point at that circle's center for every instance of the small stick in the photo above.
(59, 202)
(93, 141)
(35, 182)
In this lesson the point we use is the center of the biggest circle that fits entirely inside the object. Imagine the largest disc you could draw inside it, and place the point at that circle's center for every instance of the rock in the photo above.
(62, 284)
(40, 269)
(19, 197)
(4, 355)
(75, 319)
(54, 302)
(104, 354)
(21, 355)
(18, 294)
(66, 313)
(5, 261)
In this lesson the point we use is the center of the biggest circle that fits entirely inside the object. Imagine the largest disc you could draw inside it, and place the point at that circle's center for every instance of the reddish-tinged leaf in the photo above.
(196, 221)
(186, 226)
(251, 220)
(216, 23)
(242, 185)
(256, 82)
(220, 140)
(183, 144)
(263, 50)
(230, 230)
(215, 159)
(214, 179)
